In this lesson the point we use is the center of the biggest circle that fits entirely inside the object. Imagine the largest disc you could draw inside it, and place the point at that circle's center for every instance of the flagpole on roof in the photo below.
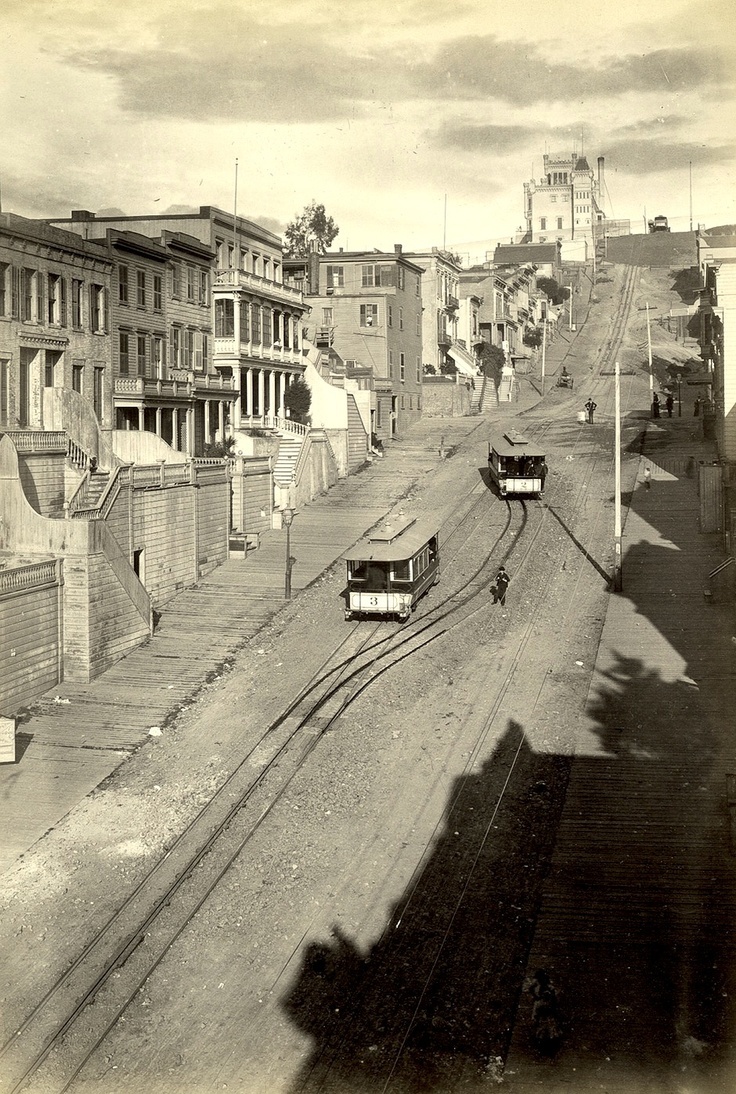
(235, 219)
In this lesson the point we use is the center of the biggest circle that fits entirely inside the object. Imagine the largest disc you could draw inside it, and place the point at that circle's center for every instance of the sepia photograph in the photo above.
(367, 547)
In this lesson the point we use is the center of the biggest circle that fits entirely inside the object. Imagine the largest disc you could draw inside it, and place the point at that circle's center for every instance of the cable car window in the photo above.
(402, 571)
(358, 571)
(377, 576)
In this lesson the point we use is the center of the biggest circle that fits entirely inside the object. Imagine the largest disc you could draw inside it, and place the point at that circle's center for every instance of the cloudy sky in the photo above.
(413, 121)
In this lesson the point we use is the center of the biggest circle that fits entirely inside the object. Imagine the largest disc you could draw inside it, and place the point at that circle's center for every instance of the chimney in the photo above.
(397, 248)
(601, 161)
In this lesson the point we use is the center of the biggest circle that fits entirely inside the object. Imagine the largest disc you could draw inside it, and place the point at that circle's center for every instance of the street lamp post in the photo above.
(287, 516)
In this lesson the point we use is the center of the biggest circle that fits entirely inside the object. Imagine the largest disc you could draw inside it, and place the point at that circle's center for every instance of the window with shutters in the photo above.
(26, 295)
(191, 284)
(419, 370)
(123, 285)
(63, 303)
(369, 315)
(140, 288)
(97, 308)
(4, 388)
(187, 348)
(335, 277)
(15, 280)
(402, 368)
(52, 299)
(390, 364)
(98, 379)
(4, 278)
(401, 318)
(401, 272)
(39, 281)
(124, 353)
(158, 292)
(204, 287)
(176, 281)
(141, 354)
(175, 348)
(76, 304)
(157, 356)
(390, 314)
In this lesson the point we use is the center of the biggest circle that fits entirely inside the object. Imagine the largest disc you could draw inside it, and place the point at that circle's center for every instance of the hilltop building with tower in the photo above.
(566, 206)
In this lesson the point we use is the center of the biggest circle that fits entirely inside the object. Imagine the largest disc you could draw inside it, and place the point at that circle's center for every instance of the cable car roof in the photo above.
(514, 443)
(392, 541)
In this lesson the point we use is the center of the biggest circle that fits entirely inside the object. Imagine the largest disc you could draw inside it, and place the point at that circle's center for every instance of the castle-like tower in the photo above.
(565, 204)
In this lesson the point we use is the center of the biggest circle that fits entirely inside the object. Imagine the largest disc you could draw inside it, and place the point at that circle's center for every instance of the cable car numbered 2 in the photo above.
(391, 568)
(516, 465)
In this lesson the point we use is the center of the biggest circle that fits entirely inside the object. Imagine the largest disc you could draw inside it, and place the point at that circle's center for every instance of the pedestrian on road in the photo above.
(590, 406)
(648, 478)
(543, 474)
(696, 408)
(655, 405)
(669, 403)
(500, 585)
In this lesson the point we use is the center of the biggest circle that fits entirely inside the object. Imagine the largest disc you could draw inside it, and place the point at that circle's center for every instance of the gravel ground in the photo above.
(338, 952)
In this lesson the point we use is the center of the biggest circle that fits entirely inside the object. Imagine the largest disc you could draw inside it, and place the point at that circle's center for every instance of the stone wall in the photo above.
(443, 398)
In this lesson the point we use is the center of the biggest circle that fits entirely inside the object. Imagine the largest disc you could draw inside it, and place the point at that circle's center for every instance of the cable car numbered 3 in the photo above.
(516, 465)
(391, 568)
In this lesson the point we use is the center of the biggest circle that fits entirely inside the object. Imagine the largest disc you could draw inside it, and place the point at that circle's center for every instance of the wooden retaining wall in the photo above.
(30, 632)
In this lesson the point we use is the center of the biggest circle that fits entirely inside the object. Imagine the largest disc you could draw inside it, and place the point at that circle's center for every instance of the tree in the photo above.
(312, 230)
(492, 360)
(533, 337)
(297, 400)
(558, 294)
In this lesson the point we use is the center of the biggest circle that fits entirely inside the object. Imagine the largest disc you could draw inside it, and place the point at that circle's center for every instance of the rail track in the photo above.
(51, 1046)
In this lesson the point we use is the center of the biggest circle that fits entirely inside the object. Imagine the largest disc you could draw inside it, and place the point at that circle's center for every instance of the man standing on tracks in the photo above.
(590, 406)
(500, 585)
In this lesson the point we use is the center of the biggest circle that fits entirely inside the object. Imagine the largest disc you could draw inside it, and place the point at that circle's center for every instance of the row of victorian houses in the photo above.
(133, 349)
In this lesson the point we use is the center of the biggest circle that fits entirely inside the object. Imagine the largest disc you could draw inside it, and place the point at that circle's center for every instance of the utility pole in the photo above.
(618, 572)
(691, 195)
(570, 313)
(544, 350)
(617, 564)
(649, 350)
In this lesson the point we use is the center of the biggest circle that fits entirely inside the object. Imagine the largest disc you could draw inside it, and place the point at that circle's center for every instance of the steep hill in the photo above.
(672, 249)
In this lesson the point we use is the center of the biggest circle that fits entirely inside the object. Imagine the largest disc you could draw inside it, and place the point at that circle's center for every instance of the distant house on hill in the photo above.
(547, 257)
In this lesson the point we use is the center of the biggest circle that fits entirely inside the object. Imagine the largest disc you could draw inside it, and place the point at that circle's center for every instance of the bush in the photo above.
(533, 337)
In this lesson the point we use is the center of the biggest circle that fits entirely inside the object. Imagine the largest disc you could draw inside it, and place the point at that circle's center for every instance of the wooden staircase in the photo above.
(290, 445)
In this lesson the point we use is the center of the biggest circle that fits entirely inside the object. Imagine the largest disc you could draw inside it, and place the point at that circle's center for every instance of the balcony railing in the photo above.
(271, 290)
(179, 383)
(230, 348)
